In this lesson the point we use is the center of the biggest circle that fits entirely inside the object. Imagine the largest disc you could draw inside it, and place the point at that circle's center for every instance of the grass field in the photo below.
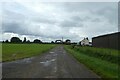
(0, 52)
(17, 51)
(101, 61)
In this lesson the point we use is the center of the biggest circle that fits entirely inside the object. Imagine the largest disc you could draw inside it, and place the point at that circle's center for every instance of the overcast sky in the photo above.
(49, 21)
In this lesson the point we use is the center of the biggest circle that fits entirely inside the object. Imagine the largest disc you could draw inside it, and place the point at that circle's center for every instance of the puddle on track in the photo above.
(48, 62)
(50, 77)
(52, 52)
(55, 69)
(0, 64)
(26, 60)
(55, 55)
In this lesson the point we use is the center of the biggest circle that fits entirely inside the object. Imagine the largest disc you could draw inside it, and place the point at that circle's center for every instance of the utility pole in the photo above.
(62, 39)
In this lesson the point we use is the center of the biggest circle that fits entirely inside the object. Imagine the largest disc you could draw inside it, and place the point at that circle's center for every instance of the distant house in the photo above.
(107, 41)
(85, 42)
(67, 41)
(58, 41)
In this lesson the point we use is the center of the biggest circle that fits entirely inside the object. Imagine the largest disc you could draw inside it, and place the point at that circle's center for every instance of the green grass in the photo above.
(0, 52)
(104, 54)
(103, 67)
(17, 51)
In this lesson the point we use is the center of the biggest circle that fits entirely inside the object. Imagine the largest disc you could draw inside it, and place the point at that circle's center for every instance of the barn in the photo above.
(107, 41)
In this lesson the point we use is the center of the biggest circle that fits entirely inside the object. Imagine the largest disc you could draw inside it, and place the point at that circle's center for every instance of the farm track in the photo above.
(56, 63)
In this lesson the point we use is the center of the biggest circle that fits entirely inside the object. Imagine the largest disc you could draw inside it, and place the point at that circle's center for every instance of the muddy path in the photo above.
(56, 63)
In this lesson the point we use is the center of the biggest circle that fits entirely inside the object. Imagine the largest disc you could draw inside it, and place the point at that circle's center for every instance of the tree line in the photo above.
(18, 40)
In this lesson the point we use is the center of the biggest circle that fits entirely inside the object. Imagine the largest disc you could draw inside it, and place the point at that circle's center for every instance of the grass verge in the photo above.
(103, 68)
(0, 52)
(101, 53)
(12, 52)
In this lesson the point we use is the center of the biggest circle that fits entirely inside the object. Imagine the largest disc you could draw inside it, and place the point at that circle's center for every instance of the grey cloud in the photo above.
(67, 15)
(44, 20)
(76, 18)
(12, 15)
(14, 28)
(68, 24)
(110, 12)
(71, 24)
(74, 21)
(13, 22)
(108, 9)
(96, 20)
(19, 29)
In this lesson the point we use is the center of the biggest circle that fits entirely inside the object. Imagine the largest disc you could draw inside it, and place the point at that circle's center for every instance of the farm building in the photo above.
(67, 41)
(85, 42)
(58, 41)
(107, 41)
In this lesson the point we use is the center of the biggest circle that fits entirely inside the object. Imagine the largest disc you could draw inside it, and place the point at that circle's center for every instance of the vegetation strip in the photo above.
(12, 52)
(104, 54)
(103, 68)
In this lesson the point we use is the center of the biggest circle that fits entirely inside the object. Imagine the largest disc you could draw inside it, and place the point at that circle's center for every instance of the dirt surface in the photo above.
(56, 63)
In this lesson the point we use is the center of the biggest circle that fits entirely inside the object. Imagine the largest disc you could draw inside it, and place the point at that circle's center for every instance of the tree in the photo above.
(24, 41)
(52, 42)
(28, 41)
(37, 41)
(6, 41)
(15, 40)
